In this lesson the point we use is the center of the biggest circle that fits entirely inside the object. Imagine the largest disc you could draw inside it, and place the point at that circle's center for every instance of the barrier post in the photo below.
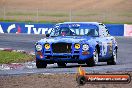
(70, 15)
(37, 15)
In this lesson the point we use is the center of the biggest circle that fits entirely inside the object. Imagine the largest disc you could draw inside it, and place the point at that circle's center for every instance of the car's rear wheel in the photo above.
(61, 64)
(41, 64)
(113, 59)
(92, 61)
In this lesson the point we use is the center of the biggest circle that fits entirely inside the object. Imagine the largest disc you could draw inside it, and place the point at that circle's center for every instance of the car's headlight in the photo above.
(85, 47)
(47, 46)
(77, 46)
(38, 47)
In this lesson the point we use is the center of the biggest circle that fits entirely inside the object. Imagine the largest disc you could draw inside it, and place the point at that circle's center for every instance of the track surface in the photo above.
(26, 42)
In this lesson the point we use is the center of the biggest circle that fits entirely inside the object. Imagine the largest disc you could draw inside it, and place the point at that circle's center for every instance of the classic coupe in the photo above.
(76, 42)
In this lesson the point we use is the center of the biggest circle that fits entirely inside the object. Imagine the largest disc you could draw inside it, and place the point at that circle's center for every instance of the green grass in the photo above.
(59, 21)
(126, 14)
(14, 57)
(35, 14)
(86, 14)
(64, 16)
(54, 14)
(19, 14)
(109, 22)
(30, 21)
(25, 21)
(57, 16)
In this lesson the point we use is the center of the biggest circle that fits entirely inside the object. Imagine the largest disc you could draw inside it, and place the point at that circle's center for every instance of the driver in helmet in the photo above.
(65, 31)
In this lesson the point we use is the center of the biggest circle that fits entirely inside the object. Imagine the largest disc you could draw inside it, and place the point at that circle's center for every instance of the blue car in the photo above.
(76, 42)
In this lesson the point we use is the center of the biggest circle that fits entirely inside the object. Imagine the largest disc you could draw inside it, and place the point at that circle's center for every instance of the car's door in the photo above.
(106, 43)
(110, 42)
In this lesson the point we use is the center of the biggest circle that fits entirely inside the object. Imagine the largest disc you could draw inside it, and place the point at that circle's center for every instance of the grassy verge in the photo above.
(59, 21)
(28, 21)
(14, 57)
(34, 14)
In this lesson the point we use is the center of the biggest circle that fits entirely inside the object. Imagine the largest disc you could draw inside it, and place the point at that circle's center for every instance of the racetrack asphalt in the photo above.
(26, 42)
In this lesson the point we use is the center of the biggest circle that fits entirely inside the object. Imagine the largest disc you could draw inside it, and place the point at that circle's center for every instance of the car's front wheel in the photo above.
(41, 64)
(113, 59)
(92, 61)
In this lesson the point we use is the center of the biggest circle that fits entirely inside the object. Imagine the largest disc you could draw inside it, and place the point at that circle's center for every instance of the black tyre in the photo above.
(60, 64)
(41, 64)
(113, 59)
(81, 63)
(92, 61)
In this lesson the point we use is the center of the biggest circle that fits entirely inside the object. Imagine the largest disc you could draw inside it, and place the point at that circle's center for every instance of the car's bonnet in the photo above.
(67, 39)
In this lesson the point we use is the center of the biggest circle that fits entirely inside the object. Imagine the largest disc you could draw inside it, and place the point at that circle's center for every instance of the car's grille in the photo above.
(62, 47)
(54, 57)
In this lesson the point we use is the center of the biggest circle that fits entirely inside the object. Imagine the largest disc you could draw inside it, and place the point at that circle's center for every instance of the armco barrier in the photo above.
(39, 28)
(29, 28)
(116, 29)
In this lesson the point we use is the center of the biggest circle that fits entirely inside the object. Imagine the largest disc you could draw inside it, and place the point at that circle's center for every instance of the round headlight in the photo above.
(77, 46)
(47, 46)
(38, 47)
(85, 47)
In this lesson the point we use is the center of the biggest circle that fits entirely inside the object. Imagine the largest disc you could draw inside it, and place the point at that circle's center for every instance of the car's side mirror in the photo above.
(47, 35)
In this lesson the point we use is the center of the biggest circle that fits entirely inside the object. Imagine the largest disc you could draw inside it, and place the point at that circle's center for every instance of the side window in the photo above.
(104, 31)
(107, 32)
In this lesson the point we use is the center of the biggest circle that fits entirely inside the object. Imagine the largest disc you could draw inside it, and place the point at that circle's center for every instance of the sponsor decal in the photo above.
(83, 78)
(110, 47)
(1, 30)
(104, 48)
(127, 30)
(36, 30)
(7, 27)
(18, 30)
(11, 29)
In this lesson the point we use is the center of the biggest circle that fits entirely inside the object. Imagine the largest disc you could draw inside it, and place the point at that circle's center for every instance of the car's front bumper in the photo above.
(64, 57)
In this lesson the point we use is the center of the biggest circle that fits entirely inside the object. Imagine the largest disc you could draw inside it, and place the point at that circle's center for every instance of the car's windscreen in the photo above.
(70, 30)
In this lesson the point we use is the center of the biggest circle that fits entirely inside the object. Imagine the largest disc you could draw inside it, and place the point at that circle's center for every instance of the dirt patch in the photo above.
(118, 5)
(51, 81)
(115, 11)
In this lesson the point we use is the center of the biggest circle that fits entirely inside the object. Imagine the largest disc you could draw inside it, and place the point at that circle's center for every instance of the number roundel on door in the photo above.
(104, 48)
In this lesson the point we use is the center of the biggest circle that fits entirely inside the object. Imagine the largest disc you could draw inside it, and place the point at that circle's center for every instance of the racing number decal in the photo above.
(110, 47)
(104, 48)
